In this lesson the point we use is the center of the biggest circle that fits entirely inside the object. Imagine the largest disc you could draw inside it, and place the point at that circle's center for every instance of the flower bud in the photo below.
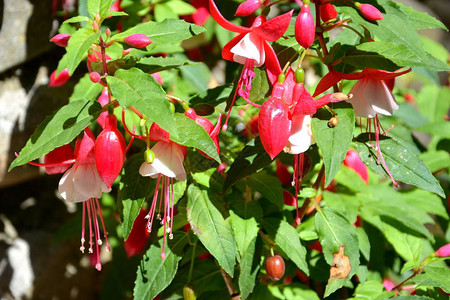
(60, 39)
(59, 80)
(189, 292)
(109, 151)
(444, 251)
(94, 77)
(304, 27)
(149, 156)
(137, 40)
(353, 161)
(327, 12)
(248, 7)
(369, 12)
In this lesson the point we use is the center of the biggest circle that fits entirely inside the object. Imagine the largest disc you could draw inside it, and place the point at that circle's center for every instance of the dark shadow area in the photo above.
(2, 8)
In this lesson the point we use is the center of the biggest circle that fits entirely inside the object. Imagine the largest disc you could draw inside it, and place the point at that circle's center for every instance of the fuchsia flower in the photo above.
(444, 251)
(248, 7)
(327, 12)
(61, 39)
(213, 131)
(251, 47)
(369, 11)
(60, 79)
(138, 40)
(137, 239)
(201, 15)
(305, 29)
(353, 161)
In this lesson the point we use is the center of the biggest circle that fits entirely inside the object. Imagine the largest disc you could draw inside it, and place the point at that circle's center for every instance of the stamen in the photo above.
(91, 250)
(105, 233)
(377, 140)
(83, 224)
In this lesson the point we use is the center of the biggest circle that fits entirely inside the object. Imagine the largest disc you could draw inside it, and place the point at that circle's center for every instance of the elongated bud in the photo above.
(353, 162)
(94, 77)
(274, 125)
(158, 77)
(369, 11)
(109, 151)
(444, 251)
(137, 40)
(149, 156)
(61, 39)
(327, 12)
(248, 7)
(59, 80)
(304, 27)
(57, 156)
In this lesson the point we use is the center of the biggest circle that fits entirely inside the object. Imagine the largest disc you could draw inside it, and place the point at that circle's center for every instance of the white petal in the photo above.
(381, 98)
(88, 182)
(168, 161)
(251, 46)
(67, 188)
(301, 135)
(359, 101)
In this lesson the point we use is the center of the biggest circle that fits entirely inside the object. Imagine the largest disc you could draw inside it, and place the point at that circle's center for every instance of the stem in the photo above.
(316, 186)
(191, 267)
(266, 238)
(401, 283)
(229, 283)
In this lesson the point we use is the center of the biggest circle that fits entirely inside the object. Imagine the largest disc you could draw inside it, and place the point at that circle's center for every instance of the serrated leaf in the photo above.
(58, 130)
(155, 274)
(158, 64)
(269, 186)
(408, 246)
(334, 142)
(438, 277)
(251, 159)
(335, 231)
(77, 48)
(246, 232)
(404, 165)
(76, 19)
(213, 96)
(421, 20)
(288, 240)
(100, 7)
(133, 190)
(426, 202)
(135, 88)
(211, 228)
(115, 14)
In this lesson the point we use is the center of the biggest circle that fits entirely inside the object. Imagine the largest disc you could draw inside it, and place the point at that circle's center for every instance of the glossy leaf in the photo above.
(434, 276)
(404, 165)
(211, 228)
(158, 64)
(334, 142)
(269, 186)
(86, 89)
(58, 130)
(100, 7)
(288, 240)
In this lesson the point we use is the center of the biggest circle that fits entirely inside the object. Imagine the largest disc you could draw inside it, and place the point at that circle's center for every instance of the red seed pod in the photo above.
(327, 12)
(304, 27)
(109, 151)
(248, 7)
(275, 267)
(61, 39)
(57, 156)
(274, 125)
(139, 234)
(138, 40)
(370, 12)
(59, 80)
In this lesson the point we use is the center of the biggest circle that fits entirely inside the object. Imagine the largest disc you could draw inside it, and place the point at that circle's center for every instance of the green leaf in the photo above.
(434, 276)
(334, 231)
(155, 274)
(436, 160)
(334, 142)
(439, 128)
(181, 8)
(86, 89)
(135, 88)
(211, 228)
(408, 246)
(133, 190)
(158, 64)
(100, 7)
(421, 20)
(368, 290)
(115, 14)
(245, 233)
(197, 76)
(213, 97)
(76, 19)
(364, 243)
(299, 291)
(169, 31)
(426, 202)
(77, 48)
(288, 240)
(269, 186)
(251, 159)
(410, 115)
(404, 165)
(188, 133)
(58, 130)
(163, 12)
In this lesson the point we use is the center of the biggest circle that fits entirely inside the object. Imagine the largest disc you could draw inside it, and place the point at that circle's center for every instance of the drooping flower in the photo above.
(166, 166)
(305, 29)
(248, 7)
(251, 47)
(61, 39)
(353, 161)
(370, 96)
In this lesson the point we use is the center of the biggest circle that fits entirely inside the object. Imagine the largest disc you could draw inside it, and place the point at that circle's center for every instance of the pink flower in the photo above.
(388, 285)
(61, 39)
(444, 251)
(137, 40)
(369, 11)
(248, 7)
(305, 29)
(327, 12)
(353, 161)
(60, 79)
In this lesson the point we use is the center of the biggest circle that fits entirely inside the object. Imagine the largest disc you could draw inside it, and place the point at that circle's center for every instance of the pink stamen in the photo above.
(105, 233)
(151, 213)
(83, 222)
(377, 141)
(91, 250)
(127, 130)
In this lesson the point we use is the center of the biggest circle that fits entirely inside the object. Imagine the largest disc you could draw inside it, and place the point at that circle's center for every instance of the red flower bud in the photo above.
(137, 40)
(248, 7)
(109, 151)
(138, 236)
(444, 251)
(353, 161)
(304, 27)
(61, 39)
(274, 125)
(57, 156)
(275, 267)
(103, 100)
(370, 12)
(59, 80)
(94, 77)
(327, 12)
